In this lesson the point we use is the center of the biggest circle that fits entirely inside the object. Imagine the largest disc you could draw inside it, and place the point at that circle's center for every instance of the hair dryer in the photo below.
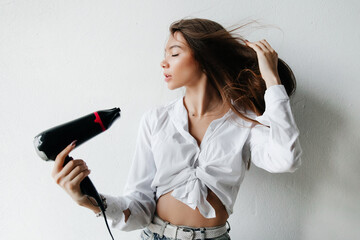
(48, 144)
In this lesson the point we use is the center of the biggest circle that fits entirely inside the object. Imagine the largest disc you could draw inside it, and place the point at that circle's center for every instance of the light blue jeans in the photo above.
(146, 234)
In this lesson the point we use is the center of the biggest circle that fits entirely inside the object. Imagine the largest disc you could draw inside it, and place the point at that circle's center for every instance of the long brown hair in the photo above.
(230, 66)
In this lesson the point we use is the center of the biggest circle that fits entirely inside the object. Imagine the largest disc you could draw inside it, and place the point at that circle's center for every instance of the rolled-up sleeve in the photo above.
(139, 195)
(276, 147)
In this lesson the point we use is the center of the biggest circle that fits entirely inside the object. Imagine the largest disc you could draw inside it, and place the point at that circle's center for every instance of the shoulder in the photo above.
(159, 113)
(154, 113)
(240, 121)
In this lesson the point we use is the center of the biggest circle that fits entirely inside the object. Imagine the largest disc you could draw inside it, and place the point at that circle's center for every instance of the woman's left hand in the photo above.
(268, 61)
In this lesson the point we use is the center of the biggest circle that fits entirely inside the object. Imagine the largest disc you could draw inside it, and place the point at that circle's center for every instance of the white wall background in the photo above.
(60, 60)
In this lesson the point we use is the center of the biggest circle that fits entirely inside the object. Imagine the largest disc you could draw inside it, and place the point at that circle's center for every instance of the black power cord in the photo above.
(102, 207)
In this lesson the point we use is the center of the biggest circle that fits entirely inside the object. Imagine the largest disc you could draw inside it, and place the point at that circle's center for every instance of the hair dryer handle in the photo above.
(86, 186)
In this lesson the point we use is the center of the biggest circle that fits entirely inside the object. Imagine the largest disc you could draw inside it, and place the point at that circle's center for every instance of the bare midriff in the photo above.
(175, 212)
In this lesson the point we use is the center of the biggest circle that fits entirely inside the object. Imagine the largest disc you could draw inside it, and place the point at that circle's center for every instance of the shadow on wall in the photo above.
(329, 181)
(321, 199)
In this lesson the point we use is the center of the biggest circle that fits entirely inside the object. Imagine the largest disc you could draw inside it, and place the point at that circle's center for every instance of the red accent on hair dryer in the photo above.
(98, 120)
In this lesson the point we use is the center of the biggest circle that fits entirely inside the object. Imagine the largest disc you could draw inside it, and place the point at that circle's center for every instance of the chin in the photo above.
(173, 87)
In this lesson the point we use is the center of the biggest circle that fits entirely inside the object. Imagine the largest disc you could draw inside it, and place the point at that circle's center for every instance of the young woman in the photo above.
(191, 154)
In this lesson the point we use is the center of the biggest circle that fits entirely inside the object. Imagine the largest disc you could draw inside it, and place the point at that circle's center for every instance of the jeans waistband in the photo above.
(162, 227)
(158, 220)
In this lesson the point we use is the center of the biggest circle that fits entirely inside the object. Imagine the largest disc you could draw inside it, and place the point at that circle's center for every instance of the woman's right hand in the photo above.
(69, 176)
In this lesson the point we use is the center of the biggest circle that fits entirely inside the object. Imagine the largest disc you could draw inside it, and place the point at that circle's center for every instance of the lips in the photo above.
(167, 77)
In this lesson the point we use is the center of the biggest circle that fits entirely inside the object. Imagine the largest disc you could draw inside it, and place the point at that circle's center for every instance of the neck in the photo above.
(202, 100)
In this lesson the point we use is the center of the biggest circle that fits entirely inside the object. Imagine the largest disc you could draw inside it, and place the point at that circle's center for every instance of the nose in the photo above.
(163, 64)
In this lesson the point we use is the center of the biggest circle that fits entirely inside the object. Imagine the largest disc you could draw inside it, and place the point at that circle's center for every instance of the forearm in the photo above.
(272, 82)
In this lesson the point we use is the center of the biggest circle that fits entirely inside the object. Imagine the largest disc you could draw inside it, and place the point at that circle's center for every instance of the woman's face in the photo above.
(179, 63)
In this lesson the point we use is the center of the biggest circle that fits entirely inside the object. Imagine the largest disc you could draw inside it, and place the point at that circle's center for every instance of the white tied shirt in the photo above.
(167, 157)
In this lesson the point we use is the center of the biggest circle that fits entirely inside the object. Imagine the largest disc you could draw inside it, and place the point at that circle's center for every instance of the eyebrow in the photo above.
(173, 47)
